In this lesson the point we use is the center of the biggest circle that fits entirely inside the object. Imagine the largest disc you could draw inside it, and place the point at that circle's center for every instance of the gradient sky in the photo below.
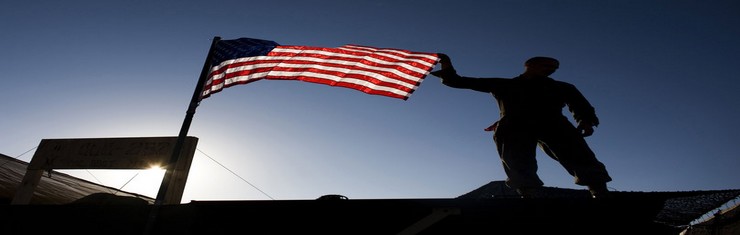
(661, 75)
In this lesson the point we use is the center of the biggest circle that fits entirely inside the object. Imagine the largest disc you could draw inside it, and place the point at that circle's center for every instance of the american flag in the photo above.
(379, 71)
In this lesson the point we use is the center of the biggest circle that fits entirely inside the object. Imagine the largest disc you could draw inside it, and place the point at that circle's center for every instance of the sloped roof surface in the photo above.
(679, 208)
(55, 187)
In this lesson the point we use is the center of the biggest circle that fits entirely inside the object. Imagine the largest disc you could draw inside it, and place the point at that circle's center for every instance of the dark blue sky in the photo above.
(660, 74)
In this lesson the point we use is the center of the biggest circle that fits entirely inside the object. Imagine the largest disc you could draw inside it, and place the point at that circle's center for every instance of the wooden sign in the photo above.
(103, 153)
(109, 153)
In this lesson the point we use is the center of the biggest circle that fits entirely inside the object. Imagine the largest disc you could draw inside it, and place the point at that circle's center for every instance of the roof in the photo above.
(679, 208)
(491, 208)
(55, 187)
(352, 216)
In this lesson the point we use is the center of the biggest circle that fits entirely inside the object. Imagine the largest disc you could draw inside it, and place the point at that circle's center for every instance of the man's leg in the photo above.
(518, 156)
(570, 149)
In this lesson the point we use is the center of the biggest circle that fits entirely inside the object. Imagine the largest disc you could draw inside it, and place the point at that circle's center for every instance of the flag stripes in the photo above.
(378, 71)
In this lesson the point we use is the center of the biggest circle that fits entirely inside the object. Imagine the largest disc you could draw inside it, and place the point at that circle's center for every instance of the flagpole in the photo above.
(194, 101)
(170, 167)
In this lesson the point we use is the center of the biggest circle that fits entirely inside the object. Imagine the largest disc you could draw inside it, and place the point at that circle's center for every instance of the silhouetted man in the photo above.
(531, 114)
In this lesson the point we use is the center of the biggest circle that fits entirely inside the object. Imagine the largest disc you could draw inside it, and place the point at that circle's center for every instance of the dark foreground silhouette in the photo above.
(567, 211)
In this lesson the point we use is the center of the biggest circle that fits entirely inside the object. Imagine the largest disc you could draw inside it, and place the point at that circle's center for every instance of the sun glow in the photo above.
(155, 167)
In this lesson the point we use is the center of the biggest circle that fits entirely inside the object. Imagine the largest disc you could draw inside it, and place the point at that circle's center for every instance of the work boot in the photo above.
(599, 191)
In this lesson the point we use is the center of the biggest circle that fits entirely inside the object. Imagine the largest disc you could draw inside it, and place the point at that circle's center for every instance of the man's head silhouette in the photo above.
(541, 66)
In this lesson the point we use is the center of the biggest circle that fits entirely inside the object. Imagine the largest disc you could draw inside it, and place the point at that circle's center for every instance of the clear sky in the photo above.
(661, 75)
